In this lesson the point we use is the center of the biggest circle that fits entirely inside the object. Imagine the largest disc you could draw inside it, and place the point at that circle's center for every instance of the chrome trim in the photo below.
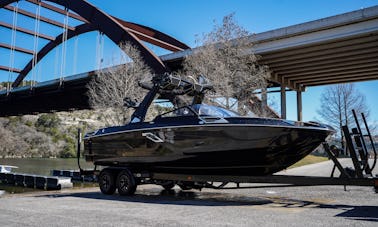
(207, 125)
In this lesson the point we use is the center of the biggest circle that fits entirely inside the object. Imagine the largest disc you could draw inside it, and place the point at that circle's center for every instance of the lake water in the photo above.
(40, 166)
(43, 166)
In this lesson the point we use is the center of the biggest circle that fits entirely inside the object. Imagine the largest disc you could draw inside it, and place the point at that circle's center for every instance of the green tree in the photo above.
(68, 151)
(47, 121)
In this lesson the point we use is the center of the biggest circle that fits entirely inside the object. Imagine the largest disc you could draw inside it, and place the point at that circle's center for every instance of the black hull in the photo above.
(252, 150)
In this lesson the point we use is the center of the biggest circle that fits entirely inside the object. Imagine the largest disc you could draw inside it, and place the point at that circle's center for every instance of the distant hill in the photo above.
(45, 135)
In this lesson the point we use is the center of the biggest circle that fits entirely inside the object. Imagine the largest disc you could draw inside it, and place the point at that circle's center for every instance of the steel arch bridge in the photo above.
(91, 19)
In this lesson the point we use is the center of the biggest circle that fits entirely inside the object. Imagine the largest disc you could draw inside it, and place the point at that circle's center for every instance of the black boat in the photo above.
(201, 139)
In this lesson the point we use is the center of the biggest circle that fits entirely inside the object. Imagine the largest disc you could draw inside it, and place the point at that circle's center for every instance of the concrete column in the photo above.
(283, 102)
(299, 106)
(264, 100)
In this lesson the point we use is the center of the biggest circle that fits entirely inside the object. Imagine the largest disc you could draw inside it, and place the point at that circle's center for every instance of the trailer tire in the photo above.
(106, 182)
(126, 183)
(185, 186)
(168, 185)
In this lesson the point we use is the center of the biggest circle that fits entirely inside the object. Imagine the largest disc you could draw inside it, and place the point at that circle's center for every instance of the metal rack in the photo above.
(357, 147)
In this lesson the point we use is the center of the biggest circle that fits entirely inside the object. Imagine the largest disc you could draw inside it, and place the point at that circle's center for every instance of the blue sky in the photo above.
(186, 19)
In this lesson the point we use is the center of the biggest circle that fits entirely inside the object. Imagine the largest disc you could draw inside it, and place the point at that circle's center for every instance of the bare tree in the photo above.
(107, 92)
(337, 103)
(225, 58)
(10, 144)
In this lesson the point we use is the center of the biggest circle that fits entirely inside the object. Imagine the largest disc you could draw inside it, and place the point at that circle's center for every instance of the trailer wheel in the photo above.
(126, 183)
(106, 182)
(185, 186)
(168, 185)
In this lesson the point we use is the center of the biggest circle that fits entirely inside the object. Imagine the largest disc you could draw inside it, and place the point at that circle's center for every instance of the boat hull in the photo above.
(218, 149)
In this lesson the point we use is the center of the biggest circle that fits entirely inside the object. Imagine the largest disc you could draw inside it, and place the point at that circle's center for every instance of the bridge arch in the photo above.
(117, 30)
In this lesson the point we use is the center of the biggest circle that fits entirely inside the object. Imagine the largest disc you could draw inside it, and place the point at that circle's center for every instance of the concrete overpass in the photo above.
(332, 50)
(337, 49)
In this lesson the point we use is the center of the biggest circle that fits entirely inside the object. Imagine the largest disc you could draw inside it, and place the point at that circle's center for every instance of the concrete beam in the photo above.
(369, 65)
(273, 42)
(344, 79)
(340, 75)
(324, 53)
(285, 82)
(350, 80)
(319, 25)
(323, 46)
(324, 63)
(325, 58)
(329, 67)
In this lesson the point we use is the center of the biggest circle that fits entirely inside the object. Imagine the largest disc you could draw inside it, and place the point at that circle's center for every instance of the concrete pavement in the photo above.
(151, 206)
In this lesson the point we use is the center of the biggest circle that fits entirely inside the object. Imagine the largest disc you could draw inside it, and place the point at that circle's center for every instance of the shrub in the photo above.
(68, 151)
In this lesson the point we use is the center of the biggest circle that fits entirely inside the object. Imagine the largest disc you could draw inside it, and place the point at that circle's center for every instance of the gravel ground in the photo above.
(259, 206)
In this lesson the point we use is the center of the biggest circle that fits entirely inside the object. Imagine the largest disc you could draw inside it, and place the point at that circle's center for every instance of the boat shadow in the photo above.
(360, 213)
(351, 212)
(194, 198)
(174, 197)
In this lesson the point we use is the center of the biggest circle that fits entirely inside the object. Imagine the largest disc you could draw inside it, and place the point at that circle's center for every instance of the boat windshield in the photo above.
(201, 110)
(204, 110)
